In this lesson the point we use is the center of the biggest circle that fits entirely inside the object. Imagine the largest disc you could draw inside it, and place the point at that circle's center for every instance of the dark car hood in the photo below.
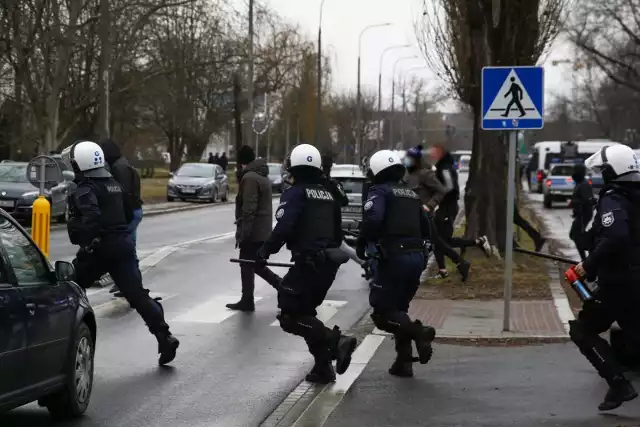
(190, 180)
(15, 189)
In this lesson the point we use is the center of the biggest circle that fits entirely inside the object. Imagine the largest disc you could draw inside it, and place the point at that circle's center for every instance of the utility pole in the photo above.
(393, 114)
(404, 112)
(105, 61)
(250, 72)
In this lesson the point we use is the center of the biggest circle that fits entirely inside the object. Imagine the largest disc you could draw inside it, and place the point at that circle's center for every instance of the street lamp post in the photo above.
(319, 77)
(249, 134)
(359, 94)
(379, 121)
(393, 96)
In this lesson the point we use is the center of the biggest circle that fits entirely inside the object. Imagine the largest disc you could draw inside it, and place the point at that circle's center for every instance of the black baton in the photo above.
(268, 263)
(547, 256)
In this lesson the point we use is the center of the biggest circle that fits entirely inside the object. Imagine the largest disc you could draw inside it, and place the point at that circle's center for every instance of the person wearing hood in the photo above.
(223, 161)
(129, 180)
(309, 224)
(582, 202)
(614, 259)
(254, 213)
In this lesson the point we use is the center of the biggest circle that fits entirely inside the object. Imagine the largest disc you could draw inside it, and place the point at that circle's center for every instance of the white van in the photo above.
(548, 152)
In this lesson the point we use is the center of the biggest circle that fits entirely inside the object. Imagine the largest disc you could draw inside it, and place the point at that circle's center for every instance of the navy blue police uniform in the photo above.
(98, 225)
(393, 221)
(308, 222)
(614, 260)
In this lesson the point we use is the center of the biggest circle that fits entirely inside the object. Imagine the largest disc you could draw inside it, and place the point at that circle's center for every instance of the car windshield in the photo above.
(562, 170)
(13, 173)
(275, 169)
(196, 171)
(464, 161)
(351, 185)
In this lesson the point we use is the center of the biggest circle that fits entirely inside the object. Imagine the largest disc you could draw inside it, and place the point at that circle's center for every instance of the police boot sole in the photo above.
(312, 377)
(169, 353)
(346, 347)
(423, 346)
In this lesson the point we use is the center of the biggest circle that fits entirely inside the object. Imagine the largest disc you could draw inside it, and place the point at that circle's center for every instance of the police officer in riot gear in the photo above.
(308, 222)
(395, 223)
(614, 259)
(98, 225)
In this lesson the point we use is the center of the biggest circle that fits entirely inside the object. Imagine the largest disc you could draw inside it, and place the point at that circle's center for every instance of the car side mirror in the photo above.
(65, 271)
(68, 175)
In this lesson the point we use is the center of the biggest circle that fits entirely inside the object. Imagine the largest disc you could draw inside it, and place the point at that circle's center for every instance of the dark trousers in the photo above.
(519, 221)
(596, 318)
(248, 250)
(302, 290)
(577, 234)
(445, 242)
(117, 257)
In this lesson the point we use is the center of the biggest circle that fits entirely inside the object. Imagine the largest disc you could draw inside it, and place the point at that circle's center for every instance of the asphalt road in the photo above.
(232, 369)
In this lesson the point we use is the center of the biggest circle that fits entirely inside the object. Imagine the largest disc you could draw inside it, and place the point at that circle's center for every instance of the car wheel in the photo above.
(170, 199)
(183, 199)
(547, 202)
(72, 401)
(214, 196)
(225, 197)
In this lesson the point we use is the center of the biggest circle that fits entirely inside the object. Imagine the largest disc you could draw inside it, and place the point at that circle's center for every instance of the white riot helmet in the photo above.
(305, 155)
(615, 162)
(87, 158)
(382, 160)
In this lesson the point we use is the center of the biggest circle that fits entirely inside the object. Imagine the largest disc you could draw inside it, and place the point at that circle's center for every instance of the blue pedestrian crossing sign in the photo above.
(512, 98)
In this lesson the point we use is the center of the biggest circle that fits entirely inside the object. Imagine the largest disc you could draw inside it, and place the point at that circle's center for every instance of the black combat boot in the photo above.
(342, 347)
(423, 337)
(403, 365)
(167, 347)
(620, 391)
(321, 373)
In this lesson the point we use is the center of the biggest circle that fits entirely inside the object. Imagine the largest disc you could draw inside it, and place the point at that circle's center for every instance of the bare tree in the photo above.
(458, 38)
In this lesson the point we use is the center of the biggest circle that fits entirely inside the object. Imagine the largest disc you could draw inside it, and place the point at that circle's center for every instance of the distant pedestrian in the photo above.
(582, 204)
(211, 159)
(224, 161)
(254, 219)
(216, 159)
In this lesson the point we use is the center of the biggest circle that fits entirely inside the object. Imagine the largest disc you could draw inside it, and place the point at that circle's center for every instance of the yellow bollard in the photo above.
(41, 224)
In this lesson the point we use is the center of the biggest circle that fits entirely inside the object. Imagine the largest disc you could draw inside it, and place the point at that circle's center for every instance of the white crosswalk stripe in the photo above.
(326, 311)
(212, 311)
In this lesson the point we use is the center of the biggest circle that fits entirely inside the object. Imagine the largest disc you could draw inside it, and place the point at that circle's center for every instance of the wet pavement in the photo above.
(546, 385)
(232, 368)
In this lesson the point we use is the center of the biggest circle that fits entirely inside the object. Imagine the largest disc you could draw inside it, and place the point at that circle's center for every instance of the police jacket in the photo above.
(615, 235)
(427, 186)
(448, 177)
(96, 211)
(308, 219)
(393, 212)
(582, 203)
(126, 176)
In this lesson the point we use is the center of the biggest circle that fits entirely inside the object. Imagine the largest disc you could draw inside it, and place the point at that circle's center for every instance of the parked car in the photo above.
(558, 185)
(464, 162)
(17, 194)
(198, 181)
(352, 180)
(276, 174)
(47, 329)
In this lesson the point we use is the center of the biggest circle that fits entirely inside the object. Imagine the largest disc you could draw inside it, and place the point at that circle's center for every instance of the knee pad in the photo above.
(393, 323)
(291, 324)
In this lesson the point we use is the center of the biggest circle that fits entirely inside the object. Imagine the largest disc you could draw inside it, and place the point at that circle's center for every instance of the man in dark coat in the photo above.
(254, 219)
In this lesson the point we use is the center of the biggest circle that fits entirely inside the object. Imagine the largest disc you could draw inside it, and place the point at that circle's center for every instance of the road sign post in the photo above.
(512, 100)
(44, 173)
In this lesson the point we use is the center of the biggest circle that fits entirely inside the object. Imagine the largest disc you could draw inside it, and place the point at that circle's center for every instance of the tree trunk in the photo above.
(104, 76)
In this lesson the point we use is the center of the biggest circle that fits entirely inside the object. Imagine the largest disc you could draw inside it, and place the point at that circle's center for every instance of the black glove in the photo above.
(261, 257)
(361, 248)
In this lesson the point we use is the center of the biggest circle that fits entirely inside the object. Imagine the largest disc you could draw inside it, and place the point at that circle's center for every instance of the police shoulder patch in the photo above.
(279, 213)
(368, 205)
(608, 219)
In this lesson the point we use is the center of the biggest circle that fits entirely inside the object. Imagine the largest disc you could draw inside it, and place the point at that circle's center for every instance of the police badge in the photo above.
(607, 219)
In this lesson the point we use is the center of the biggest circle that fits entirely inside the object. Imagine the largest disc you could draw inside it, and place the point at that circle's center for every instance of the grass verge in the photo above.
(530, 279)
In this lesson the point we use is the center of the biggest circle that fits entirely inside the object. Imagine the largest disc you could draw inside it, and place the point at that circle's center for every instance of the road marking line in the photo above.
(328, 400)
(212, 311)
(115, 304)
(325, 311)
(156, 257)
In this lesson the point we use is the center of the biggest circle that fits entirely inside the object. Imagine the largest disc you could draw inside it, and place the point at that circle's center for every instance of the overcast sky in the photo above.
(343, 21)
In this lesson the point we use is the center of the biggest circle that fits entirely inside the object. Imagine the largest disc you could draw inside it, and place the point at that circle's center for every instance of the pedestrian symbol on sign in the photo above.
(512, 101)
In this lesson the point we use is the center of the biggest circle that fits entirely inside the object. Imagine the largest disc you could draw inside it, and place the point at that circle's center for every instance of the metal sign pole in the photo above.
(508, 257)
(43, 171)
